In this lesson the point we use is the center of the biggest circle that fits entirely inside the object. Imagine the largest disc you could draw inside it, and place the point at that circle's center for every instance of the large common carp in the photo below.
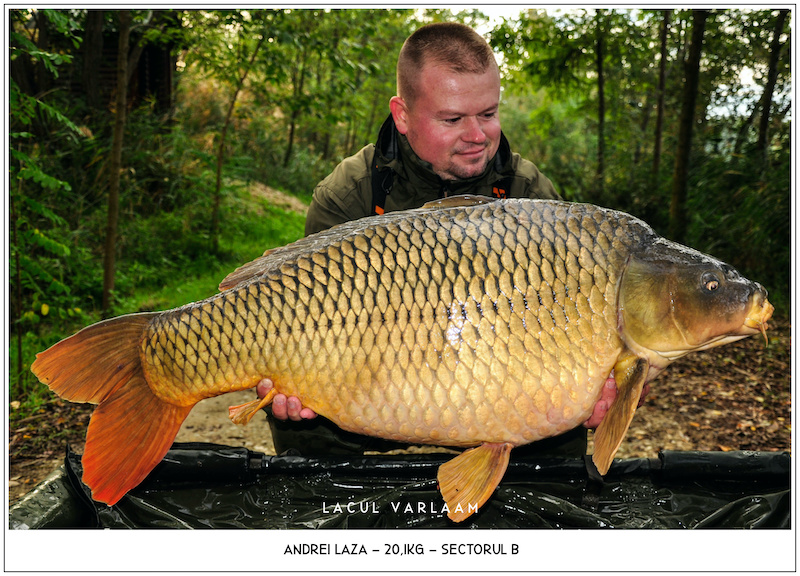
(467, 324)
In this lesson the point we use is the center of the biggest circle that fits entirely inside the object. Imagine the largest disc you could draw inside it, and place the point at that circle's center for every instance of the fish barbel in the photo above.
(465, 323)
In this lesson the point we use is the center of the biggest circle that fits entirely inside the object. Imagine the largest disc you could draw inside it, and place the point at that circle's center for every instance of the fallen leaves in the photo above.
(736, 397)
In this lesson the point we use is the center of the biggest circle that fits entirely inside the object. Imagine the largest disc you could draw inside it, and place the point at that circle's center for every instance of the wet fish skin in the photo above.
(451, 329)
(488, 325)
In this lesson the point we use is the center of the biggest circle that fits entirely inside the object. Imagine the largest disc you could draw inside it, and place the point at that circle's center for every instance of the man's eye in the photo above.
(452, 120)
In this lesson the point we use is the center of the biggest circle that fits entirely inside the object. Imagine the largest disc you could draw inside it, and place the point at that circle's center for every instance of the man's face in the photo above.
(453, 123)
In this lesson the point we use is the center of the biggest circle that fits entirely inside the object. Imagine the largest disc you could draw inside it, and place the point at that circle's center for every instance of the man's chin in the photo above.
(464, 171)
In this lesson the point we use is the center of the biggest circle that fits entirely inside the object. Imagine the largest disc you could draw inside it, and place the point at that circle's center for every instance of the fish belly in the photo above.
(452, 327)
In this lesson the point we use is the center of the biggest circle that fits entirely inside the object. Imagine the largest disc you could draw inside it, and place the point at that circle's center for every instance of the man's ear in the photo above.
(400, 113)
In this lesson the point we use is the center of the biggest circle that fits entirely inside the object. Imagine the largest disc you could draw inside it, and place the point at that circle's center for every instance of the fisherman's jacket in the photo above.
(389, 176)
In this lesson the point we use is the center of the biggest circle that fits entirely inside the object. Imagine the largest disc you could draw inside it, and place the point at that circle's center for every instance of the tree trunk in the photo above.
(762, 145)
(741, 135)
(680, 181)
(290, 145)
(601, 109)
(221, 149)
(115, 167)
(92, 49)
(298, 80)
(662, 81)
(44, 80)
(326, 146)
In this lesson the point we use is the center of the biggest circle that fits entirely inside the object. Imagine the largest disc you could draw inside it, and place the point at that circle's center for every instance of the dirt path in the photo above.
(209, 422)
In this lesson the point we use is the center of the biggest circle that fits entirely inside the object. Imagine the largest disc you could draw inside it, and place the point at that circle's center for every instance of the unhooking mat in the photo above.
(210, 486)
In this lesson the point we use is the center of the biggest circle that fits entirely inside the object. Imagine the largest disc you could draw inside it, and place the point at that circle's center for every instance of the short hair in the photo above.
(450, 44)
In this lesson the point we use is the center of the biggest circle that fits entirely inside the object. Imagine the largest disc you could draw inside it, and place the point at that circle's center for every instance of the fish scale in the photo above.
(467, 300)
(461, 324)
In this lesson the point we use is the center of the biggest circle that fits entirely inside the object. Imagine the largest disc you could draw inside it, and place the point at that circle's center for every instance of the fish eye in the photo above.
(710, 282)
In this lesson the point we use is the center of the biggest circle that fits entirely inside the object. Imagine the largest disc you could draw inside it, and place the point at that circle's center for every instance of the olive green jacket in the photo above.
(346, 194)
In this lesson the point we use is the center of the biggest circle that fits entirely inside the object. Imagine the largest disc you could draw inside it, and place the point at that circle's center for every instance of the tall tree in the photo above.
(662, 81)
(762, 145)
(680, 179)
(222, 141)
(299, 71)
(115, 168)
(92, 50)
(35, 249)
(601, 104)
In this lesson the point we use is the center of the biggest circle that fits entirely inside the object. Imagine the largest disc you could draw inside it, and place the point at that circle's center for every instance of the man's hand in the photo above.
(607, 396)
(284, 408)
(601, 407)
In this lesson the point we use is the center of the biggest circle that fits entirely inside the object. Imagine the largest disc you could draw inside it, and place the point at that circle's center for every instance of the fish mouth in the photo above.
(754, 323)
(760, 312)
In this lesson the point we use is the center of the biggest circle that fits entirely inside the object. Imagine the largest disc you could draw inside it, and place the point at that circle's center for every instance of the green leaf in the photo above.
(36, 237)
(36, 274)
(33, 172)
(30, 316)
(42, 210)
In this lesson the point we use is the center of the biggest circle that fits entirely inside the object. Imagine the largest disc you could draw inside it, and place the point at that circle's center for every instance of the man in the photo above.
(442, 138)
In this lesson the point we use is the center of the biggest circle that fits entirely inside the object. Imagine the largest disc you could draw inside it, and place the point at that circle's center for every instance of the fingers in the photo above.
(607, 396)
(307, 414)
(263, 387)
(283, 407)
(598, 413)
(279, 407)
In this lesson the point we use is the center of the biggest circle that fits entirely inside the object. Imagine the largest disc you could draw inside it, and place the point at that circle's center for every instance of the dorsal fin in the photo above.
(247, 271)
(461, 201)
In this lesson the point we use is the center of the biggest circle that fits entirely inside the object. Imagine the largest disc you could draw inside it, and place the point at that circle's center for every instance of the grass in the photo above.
(250, 226)
(239, 244)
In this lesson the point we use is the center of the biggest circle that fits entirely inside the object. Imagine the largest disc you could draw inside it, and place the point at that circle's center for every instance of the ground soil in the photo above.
(736, 397)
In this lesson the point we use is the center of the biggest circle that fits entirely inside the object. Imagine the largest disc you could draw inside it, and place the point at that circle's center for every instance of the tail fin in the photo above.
(131, 429)
(129, 433)
(90, 365)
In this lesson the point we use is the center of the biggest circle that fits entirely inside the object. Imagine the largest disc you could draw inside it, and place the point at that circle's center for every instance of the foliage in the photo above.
(738, 211)
(39, 286)
(324, 78)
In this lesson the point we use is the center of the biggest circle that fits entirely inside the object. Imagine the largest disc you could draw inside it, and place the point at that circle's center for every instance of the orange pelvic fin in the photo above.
(131, 429)
(631, 374)
(243, 413)
(468, 480)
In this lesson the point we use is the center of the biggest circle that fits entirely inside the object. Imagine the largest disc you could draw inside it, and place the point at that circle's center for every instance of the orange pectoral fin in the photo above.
(468, 480)
(243, 413)
(631, 374)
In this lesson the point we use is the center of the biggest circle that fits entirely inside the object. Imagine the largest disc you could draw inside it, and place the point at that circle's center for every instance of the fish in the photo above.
(463, 323)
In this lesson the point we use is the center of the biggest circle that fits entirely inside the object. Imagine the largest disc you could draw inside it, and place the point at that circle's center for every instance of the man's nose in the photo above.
(473, 131)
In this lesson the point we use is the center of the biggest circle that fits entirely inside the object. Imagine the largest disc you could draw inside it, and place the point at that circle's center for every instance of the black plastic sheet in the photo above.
(212, 486)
